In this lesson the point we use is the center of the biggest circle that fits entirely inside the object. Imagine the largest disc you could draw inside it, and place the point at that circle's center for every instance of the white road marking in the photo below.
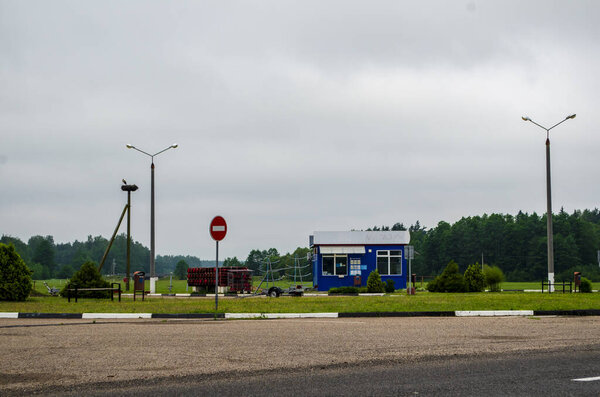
(592, 379)
(115, 315)
(493, 313)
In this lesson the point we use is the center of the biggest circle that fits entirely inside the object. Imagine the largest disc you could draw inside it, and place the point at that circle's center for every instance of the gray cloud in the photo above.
(291, 117)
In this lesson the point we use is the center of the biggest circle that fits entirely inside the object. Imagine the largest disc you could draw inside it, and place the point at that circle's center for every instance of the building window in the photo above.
(389, 262)
(335, 265)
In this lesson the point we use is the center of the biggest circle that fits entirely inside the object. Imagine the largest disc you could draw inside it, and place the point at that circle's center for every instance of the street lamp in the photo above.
(549, 200)
(152, 251)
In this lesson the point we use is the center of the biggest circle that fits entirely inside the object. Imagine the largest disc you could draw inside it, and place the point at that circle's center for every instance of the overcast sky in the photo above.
(291, 116)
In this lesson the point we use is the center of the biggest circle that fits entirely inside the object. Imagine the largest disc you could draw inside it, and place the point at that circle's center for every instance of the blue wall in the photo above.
(368, 259)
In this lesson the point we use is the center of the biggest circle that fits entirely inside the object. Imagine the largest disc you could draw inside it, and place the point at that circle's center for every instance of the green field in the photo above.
(179, 286)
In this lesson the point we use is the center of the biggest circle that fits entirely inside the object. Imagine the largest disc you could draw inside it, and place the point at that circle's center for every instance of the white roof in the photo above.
(361, 238)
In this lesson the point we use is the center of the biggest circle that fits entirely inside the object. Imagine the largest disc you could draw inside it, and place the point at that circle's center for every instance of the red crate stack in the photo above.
(238, 279)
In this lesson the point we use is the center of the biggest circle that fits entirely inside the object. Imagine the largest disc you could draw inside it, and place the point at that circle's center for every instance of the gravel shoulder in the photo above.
(38, 355)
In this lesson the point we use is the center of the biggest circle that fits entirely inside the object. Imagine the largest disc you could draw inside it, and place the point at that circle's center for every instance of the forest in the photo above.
(514, 243)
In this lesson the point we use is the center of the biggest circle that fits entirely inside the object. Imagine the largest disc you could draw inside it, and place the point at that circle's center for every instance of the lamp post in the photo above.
(152, 251)
(549, 201)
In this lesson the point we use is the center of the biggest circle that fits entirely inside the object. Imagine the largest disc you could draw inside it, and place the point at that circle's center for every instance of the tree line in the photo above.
(48, 259)
(516, 244)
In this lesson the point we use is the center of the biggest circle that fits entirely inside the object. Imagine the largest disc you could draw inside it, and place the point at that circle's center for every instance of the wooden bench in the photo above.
(112, 290)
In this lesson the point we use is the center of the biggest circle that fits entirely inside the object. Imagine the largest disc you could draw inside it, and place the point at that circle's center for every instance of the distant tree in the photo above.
(38, 272)
(181, 270)
(43, 252)
(15, 277)
(65, 271)
(232, 262)
(398, 226)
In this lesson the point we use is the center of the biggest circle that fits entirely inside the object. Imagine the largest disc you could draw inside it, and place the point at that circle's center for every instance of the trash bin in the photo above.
(577, 280)
(138, 281)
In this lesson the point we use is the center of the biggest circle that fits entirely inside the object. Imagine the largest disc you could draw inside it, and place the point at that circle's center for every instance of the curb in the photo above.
(241, 316)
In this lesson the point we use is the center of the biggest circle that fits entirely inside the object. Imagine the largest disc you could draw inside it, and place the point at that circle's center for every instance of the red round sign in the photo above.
(218, 228)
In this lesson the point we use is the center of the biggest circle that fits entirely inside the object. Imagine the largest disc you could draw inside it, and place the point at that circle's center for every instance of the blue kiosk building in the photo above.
(345, 259)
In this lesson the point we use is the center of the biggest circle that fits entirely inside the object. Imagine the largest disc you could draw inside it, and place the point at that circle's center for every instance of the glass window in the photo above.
(395, 265)
(389, 262)
(328, 262)
(341, 265)
(334, 265)
(382, 264)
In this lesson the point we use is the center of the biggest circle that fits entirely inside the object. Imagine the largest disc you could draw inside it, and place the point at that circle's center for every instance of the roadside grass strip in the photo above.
(493, 313)
(115, 315)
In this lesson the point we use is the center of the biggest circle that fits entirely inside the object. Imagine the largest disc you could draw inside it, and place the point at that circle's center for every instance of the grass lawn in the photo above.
(395, 302)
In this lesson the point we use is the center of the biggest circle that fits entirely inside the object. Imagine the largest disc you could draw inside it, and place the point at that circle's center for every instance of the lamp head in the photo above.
(571, 116)
(174, 146)
(525, 118)
(129, 146)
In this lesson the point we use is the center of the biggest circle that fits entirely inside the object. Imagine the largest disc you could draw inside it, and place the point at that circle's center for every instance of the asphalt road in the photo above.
(370, 356)
(548, 374)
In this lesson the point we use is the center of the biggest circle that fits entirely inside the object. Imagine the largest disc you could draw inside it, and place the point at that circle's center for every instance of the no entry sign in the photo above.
(218, 228)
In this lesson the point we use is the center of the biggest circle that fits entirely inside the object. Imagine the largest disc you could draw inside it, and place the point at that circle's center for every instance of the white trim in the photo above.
(493, 313)
(9, 315)
(342, 249)
(115, 315)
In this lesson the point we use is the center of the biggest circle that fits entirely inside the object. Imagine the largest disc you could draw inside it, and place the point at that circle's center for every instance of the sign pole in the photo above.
(217, 279)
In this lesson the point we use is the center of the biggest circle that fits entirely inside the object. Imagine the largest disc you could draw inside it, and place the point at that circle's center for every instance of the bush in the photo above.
(585, 286)
(389, 285)
(88, 277)
(374, 283)
(15, 277)
(344, 290)
(493, 277)
(474, 278)
(363, 290)
(449, 281)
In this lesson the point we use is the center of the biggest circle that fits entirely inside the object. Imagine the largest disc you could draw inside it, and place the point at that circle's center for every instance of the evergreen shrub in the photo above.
(15, 277)
(449, 281)
(474, 278)
(374, 283)
(585, 286)
(389, 286)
